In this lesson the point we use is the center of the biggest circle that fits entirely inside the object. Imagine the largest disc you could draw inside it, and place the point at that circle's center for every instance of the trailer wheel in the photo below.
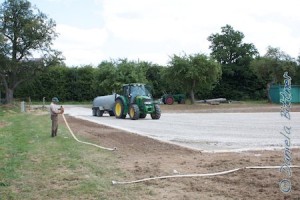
(169, 100)
(111, 113)
(94, 112)
(119, 109)
(100, 113)
(134, 112)
(157, 112)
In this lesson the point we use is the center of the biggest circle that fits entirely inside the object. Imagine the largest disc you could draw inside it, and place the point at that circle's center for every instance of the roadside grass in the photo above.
(35, 166)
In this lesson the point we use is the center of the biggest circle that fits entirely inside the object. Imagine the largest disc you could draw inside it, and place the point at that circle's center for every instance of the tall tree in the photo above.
(194, 72)
(228, 47)
(155, 80)
(271, 66)
(25, 32)
(105, 78)
(129, 72)
(235, 56)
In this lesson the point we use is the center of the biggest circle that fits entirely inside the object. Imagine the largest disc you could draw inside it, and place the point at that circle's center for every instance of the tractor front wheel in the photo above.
(134, 112)
(157, 112)
(119, 109)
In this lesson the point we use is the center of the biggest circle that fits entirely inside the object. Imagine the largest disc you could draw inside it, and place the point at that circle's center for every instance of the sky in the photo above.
(92, 31)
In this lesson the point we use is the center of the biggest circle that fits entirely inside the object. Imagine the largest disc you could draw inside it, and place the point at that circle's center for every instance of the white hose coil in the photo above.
(200, 175)
(109, 149)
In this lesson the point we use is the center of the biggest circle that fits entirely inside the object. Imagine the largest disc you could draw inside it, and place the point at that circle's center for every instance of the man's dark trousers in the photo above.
(54, 119)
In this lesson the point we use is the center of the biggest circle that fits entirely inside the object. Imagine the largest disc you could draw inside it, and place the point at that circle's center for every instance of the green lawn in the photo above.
(35, 166)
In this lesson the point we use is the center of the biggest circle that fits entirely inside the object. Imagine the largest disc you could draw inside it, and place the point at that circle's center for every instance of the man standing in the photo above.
(54, 111)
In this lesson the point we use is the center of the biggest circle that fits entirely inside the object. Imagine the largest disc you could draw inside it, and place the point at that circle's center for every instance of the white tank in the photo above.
(105, 102)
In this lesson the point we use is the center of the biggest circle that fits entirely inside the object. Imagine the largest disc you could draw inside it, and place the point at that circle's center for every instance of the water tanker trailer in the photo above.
(102, 104)
(136, 101)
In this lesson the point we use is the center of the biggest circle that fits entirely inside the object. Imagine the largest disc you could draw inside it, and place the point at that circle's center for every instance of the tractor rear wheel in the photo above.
(134, 112)
(157, 112)
(169, 100)
(119, 109)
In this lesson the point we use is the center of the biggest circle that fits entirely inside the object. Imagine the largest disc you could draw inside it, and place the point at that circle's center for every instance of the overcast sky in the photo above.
(153, 30)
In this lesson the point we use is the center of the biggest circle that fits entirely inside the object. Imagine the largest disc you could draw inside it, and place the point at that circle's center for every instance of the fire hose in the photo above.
(109, 149)
(199, 175)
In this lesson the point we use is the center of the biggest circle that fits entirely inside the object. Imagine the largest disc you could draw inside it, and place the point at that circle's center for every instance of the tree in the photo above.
(129, 72)
(82, 83)
(105, 78)
(227, 47)
(24, 33)
(272, 65)
(194, 72)
(154, 76)
(111, 75)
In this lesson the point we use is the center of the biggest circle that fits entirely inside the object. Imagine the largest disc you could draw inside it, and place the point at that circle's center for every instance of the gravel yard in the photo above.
(207, 131)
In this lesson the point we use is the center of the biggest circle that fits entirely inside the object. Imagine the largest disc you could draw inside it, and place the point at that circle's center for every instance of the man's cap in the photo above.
(55, 99)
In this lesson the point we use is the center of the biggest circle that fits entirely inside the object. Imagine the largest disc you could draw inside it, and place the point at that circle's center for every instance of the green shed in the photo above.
(276, 89)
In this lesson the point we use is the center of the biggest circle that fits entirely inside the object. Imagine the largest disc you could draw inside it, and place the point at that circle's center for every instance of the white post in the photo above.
(23, 108)
(43, 102)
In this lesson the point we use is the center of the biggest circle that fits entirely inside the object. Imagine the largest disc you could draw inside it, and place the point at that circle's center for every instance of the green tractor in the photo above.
(169, 99)
(137, 102)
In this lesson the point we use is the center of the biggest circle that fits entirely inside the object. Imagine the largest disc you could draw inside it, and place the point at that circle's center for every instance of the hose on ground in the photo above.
(199, 175)
(109, 149)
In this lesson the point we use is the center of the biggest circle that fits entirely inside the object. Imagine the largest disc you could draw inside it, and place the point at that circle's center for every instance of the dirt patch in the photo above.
(142, 157)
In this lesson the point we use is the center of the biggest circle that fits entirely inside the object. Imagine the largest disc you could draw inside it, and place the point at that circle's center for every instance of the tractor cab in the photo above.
(134, 90)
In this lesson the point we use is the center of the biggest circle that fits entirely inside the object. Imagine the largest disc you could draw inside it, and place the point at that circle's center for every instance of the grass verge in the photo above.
(35, 166)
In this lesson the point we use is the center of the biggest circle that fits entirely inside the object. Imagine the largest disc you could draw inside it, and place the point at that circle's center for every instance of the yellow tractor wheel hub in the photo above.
(131, 112)
(118, 109)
